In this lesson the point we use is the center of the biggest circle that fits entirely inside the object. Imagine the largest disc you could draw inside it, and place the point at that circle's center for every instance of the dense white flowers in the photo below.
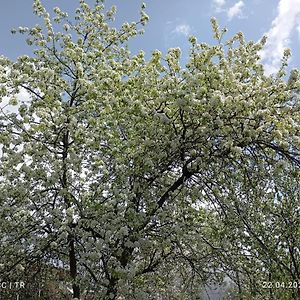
(133, 173)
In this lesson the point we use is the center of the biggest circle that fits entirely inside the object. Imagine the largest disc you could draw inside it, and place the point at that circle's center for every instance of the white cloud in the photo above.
(219, 5)
(287, 19)
(182, 29)
(219, 2)
(298, 29)
(23, 97)
(235, 10)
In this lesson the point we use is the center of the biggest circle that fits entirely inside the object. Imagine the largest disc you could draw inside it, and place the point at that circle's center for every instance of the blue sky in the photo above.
(172, 21)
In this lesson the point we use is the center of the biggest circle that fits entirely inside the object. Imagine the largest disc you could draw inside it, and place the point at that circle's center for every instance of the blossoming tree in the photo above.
(144, 179)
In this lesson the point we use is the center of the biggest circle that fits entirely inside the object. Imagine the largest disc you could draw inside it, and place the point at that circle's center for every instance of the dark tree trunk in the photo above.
(73, 268)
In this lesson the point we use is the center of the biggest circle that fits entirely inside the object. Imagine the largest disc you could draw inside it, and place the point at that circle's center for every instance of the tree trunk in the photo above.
(73, 268)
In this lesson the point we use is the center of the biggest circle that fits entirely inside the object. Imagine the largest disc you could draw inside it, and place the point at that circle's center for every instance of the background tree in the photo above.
(142, 178)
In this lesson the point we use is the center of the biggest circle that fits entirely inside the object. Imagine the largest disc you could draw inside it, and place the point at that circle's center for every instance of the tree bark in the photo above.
(72, 254)
(73, 268)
